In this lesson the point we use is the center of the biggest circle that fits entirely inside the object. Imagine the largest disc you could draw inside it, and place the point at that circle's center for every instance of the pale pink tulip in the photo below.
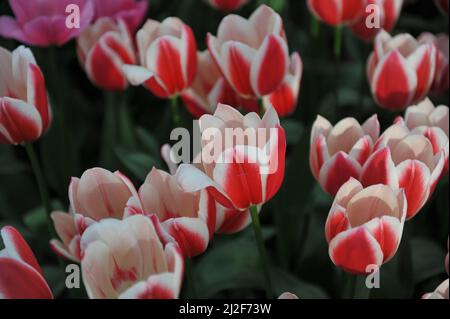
(365, 225)
(338, 152)
(132, 12)
(126, 259)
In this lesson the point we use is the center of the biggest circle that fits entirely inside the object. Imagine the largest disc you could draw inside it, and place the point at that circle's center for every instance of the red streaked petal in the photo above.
(387, 231)
(337, 222)
(37, 95)
(379, 169)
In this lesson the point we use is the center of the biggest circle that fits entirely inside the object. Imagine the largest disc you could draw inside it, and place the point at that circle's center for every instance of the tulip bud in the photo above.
(227, 5)
(337, 12)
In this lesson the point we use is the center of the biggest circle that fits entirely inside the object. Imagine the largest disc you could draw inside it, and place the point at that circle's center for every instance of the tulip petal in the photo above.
(380, 169)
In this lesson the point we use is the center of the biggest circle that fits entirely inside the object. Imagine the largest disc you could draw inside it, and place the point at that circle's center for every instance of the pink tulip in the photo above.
(388, 14)
(132, 12)
(411, 160)
(442, 5)
(228, 220)
(210, 88)
(400, 70)
(425, 114)
(97, 195)
(103, 49)
(227, 5)
(187, 218)
(287, 295)
(338, 152)
(168, 58)
(337, 12)
(285, 98)
(21, 276)
(126, 259)
(441, 77)
(252, 54)
(43, 22)
(365, 225)
(25, 112)
(227, 153)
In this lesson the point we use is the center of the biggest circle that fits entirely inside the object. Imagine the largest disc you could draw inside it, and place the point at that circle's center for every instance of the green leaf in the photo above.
(294, 130)
(428, 259)
(138, 163)
(148, 141)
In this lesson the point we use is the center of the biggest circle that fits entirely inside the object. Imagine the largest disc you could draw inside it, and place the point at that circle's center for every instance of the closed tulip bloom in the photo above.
(167, 55)
(211, 88)
(232, 144)
(400, 70)
(25, 112)
(365, 225)
(337, 12)
(132, 12)
(227, 5)
(252, 54)
(187, 218)
(284, 99)
(126, 259)
(442, 5)
(338, 152)
(103, 49)
(43, 23)
(21, 277)
(386, 13)
(97, 195)
(441, 77)
(411, 160)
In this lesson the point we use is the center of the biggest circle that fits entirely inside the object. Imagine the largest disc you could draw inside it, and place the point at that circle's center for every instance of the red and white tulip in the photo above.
(21, 277)
(386, 13)
(400, 70)
(251, 53)
(167, 57)
(441, 76)
(261, 155)
(337, 12)
(365, 225)
(25, 112)
(211, 88)
(126, 259)
(97, 195)
(227, 5)
(338, 152)
(103, 49)
(285, 98)
(410, 160)
(186, 218)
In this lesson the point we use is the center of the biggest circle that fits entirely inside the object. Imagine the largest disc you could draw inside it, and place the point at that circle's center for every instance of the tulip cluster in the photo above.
(378, 181)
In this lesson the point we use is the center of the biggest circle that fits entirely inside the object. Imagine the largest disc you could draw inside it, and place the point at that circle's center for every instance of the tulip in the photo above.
(168, 58)
(228, 220)
(285, 98)
(25, 112)
(425, 114)
(337, 12)
(441, 78)
(287, 295)
(131, 11)
(103, 49)
(387, 13)
(187, 218)
(400, 70)
(21, 276)
(43, 23)
(411, 160)
(442, 5)
(126, 259)
(97, 195)
(441, 292)
(338, 152)
(365, 225)
(227, 5)
(252, 54)
(210, 88)
(262, 158)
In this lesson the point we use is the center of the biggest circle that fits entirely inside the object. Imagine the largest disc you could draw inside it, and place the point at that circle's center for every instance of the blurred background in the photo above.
(293, 223)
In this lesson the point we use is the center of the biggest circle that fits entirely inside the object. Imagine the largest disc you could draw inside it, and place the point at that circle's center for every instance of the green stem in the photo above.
(190, 281)
(261, 249)
(108, 130)
(315, 27)
(125, 123)
(337, 55)
(41, 183)
(356, 287)
(261, 108)
(175, 111)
